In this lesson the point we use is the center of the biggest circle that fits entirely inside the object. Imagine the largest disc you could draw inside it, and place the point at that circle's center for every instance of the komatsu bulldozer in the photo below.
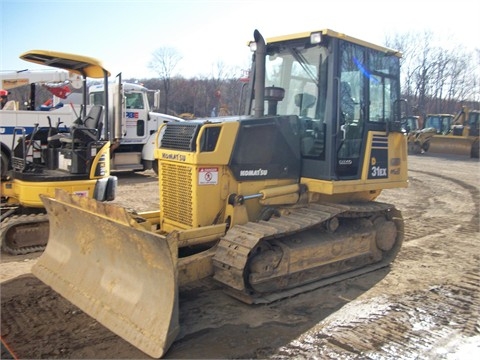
(76, 160)
(271, 203)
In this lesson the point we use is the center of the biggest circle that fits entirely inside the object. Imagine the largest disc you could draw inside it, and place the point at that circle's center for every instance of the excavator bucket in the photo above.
(455, 145)
(102, 261)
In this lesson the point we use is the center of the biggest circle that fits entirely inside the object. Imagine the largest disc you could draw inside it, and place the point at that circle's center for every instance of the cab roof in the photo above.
(82, 65)
(332, 33)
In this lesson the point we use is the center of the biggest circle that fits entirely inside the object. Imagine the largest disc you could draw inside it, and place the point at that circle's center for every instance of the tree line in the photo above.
(435, 79)
(216, 95)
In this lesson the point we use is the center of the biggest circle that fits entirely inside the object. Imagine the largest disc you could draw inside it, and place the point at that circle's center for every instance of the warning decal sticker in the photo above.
(207, 176)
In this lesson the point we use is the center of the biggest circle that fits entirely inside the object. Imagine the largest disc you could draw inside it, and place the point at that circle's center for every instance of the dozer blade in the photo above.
(99, 259)
(451, 145)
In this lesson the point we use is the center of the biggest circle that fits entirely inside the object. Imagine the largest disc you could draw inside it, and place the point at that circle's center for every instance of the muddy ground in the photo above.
(426, 305)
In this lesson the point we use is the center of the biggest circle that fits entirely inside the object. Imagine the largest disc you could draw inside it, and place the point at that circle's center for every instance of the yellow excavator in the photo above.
(76, 160)
(271, 203)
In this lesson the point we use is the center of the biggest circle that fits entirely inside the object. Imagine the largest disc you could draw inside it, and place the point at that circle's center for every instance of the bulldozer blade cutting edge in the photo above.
(113, 270)
(451, 145)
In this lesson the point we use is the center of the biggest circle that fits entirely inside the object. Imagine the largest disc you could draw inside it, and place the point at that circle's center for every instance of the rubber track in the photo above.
(18, 221)
(234, 248)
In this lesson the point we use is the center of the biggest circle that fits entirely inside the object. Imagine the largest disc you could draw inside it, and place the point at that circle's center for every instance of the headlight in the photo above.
(315, 38)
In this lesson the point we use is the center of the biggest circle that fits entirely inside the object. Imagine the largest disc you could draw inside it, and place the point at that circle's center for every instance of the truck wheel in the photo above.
(155, 166)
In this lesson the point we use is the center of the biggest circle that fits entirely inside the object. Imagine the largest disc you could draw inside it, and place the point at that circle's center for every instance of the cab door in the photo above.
(135, 117)
(367, 101)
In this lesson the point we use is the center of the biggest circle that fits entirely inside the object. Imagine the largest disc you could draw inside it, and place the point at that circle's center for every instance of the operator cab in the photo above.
(340, 88)
(442, 123)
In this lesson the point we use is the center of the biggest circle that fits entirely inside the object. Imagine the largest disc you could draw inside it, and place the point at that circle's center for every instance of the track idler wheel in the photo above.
(386, 233)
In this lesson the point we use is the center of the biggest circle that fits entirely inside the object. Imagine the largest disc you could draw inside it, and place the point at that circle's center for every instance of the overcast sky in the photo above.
(123, 34)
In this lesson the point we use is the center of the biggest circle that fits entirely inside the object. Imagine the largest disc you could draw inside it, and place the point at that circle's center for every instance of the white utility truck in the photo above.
(131, 126)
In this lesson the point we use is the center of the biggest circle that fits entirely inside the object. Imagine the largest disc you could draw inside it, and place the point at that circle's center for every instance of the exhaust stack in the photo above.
(260, 74)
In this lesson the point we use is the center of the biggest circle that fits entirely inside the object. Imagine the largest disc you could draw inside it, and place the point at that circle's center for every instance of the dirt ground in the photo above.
(426, 305)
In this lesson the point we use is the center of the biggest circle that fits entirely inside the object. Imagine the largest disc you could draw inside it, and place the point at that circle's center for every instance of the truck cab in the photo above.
(132, 125)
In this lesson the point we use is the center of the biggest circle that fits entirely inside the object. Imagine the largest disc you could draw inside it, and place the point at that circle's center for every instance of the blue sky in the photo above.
(123, 34)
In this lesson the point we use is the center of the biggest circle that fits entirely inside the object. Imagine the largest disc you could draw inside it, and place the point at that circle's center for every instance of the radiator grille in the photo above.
(180, 136)
(177, 193)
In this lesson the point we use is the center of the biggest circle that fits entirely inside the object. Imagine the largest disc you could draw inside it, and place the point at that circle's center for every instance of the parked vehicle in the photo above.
(131, 126)
(76, 160)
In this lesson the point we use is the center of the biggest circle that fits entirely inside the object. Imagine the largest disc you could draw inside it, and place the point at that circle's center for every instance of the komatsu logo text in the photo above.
(258, 172)
(175, 157)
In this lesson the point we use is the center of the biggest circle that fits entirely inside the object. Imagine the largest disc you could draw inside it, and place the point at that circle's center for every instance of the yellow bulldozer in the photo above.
(448, 134)
(464, 136)
(273, 202)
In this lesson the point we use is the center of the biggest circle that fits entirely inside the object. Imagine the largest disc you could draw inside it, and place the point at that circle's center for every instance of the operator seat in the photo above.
(89, 131)
(304, 101)
(78, 146)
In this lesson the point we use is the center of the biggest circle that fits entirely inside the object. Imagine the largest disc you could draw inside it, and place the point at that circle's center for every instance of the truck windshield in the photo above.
(96, 98)
(134, 100)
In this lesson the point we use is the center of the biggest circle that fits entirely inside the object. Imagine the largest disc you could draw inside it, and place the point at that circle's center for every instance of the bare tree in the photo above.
(226, 88)
(476, 76)
(435, 79)
(164, 61)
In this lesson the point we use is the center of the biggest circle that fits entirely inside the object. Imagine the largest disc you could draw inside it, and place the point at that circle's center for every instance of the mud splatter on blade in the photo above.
(123, 276)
